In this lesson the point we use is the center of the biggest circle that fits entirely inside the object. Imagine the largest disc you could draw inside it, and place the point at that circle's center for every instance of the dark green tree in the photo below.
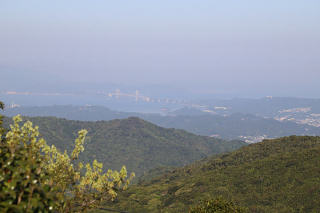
(24, 184)
(217, 205)
(2, 130)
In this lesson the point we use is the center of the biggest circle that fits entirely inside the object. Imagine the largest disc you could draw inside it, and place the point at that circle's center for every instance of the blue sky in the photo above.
(242, 47)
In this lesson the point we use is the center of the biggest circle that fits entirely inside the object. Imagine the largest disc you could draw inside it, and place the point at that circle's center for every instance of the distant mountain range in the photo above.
(298, 110)
(241, 126)
(248, 127)
(133, 142)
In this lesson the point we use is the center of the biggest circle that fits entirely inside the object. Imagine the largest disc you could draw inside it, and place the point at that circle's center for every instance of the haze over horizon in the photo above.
(236, 49)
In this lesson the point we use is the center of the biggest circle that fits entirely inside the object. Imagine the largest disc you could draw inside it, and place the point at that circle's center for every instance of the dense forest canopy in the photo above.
(280, 175)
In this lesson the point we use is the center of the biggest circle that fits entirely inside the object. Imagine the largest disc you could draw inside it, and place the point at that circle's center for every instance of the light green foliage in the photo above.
(79, 144)
(75, 188)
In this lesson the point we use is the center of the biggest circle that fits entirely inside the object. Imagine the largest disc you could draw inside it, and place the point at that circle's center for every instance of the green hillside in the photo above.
(133, 142)
(281, 175)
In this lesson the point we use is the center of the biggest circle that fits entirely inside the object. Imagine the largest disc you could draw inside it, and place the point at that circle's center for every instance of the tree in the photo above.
(24, 184)
(217, 205)
(38, 177)
(23, 181)
(2, 130)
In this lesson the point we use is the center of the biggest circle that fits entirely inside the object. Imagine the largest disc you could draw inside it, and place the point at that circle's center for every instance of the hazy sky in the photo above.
(242, 47)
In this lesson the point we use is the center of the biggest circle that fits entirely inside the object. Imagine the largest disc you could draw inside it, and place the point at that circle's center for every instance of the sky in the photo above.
(245, 48)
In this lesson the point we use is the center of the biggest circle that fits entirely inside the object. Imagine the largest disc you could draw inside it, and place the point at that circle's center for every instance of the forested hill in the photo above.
(280, 175)
(133, 142)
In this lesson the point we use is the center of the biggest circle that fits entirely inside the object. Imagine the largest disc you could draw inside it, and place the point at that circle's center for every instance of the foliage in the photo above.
(279, 175)
(217, 205)
(37, 177)
(133, 142)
